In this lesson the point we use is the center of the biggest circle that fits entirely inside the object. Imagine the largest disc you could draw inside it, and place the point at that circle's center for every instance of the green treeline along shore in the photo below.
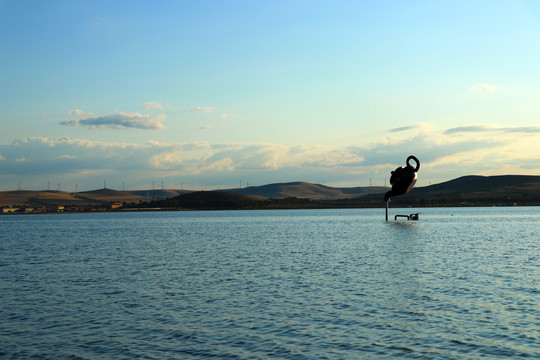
(505, 190)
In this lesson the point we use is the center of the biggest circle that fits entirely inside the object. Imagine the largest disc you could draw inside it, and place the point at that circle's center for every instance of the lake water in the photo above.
(460, 283)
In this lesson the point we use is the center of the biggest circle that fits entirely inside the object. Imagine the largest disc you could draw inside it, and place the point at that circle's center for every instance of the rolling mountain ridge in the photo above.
(466, 189)
(475, 183)
(306, 190)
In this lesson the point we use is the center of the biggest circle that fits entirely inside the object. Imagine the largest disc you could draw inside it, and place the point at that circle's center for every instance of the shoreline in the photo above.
(155, 209)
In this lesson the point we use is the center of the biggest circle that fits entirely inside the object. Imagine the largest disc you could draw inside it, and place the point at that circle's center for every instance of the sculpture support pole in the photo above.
(387, 210)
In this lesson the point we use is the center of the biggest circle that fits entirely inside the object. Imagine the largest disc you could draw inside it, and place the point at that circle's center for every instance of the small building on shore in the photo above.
(116, 205)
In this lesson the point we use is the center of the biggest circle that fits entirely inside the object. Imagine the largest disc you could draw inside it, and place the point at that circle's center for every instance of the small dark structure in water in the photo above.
(409, 217)
(402, 181)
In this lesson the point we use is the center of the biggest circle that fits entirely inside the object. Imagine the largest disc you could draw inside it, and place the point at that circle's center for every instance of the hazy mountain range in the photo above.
(519, 189)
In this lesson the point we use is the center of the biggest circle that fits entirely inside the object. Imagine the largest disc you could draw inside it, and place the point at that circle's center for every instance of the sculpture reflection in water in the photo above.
(402, 181)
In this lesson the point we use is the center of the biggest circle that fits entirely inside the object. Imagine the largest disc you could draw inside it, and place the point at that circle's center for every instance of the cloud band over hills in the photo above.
(443, 156)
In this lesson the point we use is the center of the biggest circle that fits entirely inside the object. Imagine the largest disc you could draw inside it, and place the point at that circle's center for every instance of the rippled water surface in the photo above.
(291, 284)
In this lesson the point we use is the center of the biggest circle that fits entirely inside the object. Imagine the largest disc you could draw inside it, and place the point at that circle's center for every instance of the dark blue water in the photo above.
(298, 284)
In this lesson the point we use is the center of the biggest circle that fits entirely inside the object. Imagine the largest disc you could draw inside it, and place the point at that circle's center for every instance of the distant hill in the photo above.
(475, 183)
(35, 198)
(93, 197)
(61, 198)
(479, 190)
(160, 193)
(108, 195)
(211, 200)
(307, 190)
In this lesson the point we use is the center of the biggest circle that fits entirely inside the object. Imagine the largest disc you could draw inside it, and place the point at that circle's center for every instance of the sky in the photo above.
(231, 93)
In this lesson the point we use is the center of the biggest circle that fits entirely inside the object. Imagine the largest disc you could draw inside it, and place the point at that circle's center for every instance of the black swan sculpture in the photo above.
(402, 180)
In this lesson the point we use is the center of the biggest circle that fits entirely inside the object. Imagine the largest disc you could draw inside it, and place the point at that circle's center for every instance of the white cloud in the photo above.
(121, 120)
(153, 105)
(469, 128)
(484, 88)
(492, 128)
(404, 128)
(205, 109)
(422, 127)
(80, 113)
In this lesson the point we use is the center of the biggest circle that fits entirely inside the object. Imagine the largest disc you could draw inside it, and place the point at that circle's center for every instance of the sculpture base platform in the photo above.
(409, 217)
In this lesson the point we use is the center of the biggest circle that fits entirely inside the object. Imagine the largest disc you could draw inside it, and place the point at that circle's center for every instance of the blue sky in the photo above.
(209, 94)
